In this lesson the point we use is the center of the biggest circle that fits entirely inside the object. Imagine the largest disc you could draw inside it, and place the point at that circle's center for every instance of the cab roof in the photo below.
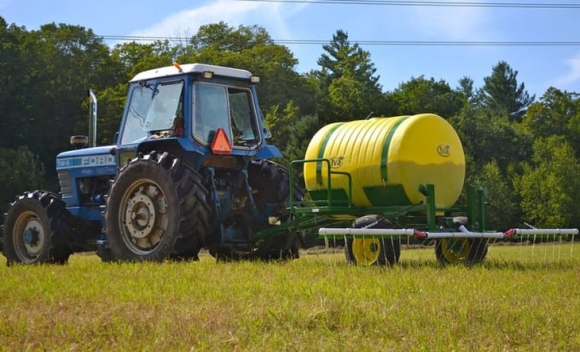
(191, 68)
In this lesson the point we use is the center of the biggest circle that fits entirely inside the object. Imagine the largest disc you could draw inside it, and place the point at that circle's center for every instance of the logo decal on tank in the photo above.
(443, 150)
(336, 162)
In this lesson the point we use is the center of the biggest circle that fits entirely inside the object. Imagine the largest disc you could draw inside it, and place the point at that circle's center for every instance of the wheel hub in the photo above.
(30, 236)
(33, 237)
(366, 251)
(145, 217)
(140, 215)
(455, 250)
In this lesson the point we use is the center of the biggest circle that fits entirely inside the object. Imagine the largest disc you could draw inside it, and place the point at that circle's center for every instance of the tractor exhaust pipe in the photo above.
(80, 141)
(92, 118)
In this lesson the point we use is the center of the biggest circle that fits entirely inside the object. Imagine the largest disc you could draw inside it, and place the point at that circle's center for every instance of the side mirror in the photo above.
(267, 133)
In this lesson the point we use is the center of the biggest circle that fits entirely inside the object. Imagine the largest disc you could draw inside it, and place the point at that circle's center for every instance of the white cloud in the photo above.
(573, 74)
(234, 13)
(452, 23)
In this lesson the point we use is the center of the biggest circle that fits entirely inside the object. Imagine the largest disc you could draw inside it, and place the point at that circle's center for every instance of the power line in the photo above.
(522, 5)
(368, 42)
(433, 43)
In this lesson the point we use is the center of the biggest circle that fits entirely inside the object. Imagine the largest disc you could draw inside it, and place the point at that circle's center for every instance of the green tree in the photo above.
(420, 95)
(279, 122)
(347, 85)
(14, 89)
(133, 58)
(490, 138)
(111, 102)
(494, 148)
(503, 210)
(549, 187)
(67, 61)
(299, 135)
(501, 93)
(557, 113)
(466, 88)
(20, 170)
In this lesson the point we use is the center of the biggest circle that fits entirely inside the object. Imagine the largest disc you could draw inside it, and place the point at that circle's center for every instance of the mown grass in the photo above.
(316, 303)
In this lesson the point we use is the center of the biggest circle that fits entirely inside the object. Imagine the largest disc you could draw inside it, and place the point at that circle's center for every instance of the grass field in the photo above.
(523, 298)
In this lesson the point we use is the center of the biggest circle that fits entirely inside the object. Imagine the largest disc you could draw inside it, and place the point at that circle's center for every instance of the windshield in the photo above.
(152, 109)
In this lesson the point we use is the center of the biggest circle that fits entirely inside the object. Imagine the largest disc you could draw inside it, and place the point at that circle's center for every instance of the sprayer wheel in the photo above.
(361, 251)
(461, 250)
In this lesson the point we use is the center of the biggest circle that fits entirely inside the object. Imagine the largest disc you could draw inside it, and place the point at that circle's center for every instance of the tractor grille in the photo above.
(65, 183)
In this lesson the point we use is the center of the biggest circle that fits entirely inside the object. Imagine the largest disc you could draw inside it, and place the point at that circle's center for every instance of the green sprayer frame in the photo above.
(308, 214)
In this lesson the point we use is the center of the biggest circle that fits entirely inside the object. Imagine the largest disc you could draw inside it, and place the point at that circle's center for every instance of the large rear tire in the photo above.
(361, 251)
(461, 250)
(36, 230)
(156, 209)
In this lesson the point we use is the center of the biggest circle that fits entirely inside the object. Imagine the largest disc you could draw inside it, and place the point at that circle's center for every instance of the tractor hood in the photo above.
(89, 158)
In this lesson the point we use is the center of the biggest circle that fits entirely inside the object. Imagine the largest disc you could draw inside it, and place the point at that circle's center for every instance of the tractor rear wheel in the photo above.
(461, 250)
(36, 229)
(156, 209)
(385, 250)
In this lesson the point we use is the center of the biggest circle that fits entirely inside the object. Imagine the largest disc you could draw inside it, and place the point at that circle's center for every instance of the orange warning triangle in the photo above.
(221, 144)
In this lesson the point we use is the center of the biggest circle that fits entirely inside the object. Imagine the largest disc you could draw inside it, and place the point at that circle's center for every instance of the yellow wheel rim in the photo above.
(455, 250)
(366, 251)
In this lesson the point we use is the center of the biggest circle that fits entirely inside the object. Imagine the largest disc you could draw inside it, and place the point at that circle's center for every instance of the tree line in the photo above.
(524, 150)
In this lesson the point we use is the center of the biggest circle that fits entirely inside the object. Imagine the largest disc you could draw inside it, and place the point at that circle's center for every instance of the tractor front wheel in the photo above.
(36, 229)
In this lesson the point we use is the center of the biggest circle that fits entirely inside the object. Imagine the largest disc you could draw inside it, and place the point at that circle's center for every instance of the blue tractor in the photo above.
(190, 169)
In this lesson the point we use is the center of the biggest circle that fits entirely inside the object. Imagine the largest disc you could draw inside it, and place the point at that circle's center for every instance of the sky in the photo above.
(538, 67)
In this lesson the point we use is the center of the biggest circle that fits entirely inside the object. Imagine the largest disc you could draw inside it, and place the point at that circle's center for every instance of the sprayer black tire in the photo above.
(389, 246)
(476, 253)
(159, 184)
(45, 214)
(271, 184)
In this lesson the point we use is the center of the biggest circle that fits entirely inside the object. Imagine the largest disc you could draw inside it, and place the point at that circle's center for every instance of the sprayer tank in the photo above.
(388, 159)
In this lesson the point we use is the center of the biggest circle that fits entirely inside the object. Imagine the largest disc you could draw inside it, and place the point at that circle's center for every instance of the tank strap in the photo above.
(321, 152)
(386, 146)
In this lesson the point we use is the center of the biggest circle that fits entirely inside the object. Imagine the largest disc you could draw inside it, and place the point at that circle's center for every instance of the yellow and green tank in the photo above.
(388, 159)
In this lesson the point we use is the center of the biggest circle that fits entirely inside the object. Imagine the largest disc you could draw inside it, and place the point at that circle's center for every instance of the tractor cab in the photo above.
(210, 109)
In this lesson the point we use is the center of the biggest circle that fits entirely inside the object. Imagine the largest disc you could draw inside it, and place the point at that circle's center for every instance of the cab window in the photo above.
(152, 108)
(230, 108)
